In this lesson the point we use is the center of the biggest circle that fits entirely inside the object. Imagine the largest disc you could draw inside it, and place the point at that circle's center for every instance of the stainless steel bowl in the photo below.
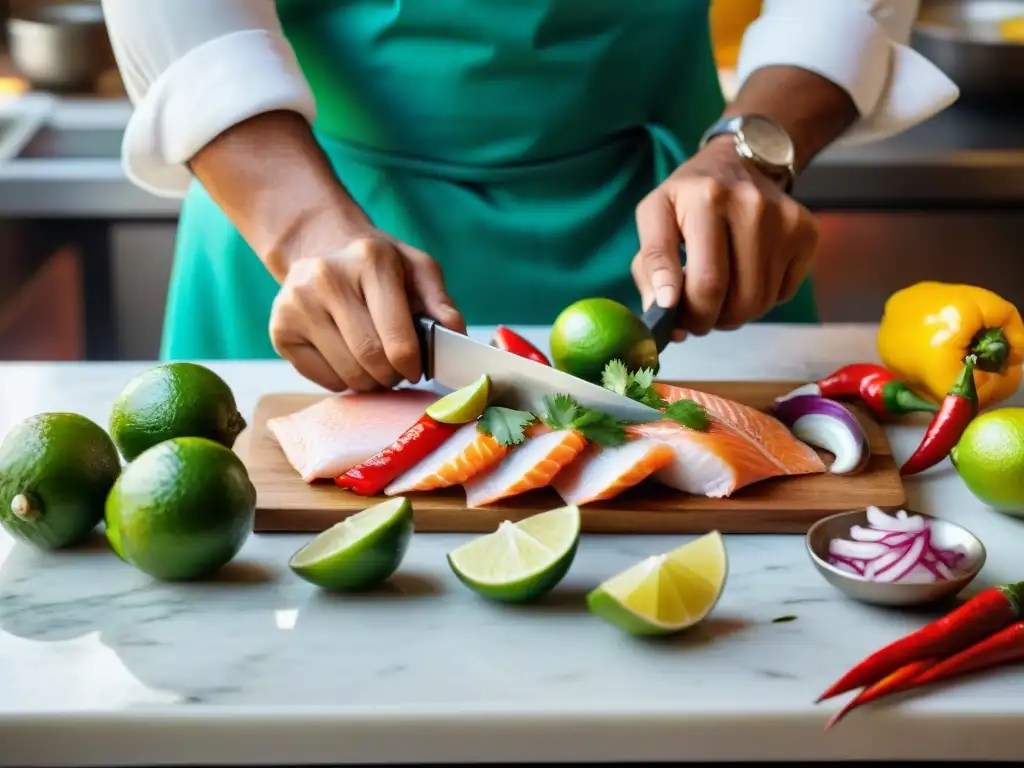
(962, 38)
(944, 533)
(63, 46)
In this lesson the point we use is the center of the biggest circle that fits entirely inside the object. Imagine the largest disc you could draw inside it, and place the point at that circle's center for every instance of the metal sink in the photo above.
(52, 143)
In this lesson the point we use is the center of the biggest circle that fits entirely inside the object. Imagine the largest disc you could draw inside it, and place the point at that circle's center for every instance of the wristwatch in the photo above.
(760, 140)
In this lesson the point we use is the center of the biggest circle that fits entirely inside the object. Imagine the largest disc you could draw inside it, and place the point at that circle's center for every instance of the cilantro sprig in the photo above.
(639, 386)
(563, 412)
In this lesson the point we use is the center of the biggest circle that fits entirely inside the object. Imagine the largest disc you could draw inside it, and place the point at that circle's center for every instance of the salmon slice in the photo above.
(532, 464)
(712, 463)
(465, 454)
(331, 436)
(602, 473)
(792, 456)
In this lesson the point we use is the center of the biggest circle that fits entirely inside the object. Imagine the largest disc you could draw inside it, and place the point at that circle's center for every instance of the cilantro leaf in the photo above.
(689, 413)
(601, 428)
(506, 425)
(616, 377)
(644, 378)
(562, 411)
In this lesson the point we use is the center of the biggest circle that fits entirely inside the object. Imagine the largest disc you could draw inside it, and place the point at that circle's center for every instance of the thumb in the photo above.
(428, 288)
(657, 269)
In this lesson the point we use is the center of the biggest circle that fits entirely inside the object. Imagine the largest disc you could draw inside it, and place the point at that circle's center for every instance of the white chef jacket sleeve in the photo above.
(193, 69)
(861, 46)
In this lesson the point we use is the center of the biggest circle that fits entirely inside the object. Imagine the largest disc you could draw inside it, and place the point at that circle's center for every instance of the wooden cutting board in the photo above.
(780, 505)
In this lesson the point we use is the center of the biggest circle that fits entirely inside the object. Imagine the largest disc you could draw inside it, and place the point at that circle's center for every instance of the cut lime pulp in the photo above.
(359, 552)
(520, 561)
(462, 405)
(665, 593)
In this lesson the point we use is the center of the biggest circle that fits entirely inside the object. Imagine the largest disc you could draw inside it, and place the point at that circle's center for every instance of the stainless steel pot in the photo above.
(963, 39)
(60, 46)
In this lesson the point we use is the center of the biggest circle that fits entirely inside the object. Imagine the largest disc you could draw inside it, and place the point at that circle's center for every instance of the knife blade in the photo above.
(455, 361)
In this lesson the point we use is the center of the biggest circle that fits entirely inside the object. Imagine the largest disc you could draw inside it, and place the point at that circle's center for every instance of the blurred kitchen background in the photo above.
(86, 256)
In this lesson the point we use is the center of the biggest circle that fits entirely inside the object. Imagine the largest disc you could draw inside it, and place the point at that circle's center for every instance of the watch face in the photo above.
(768, 141)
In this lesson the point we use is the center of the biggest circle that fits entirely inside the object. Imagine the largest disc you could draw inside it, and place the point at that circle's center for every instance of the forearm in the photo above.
(838, 70)
(287, 204)
(813, 111)
(194, 69)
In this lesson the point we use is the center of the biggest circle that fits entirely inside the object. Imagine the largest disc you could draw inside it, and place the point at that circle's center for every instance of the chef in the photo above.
(346, 163)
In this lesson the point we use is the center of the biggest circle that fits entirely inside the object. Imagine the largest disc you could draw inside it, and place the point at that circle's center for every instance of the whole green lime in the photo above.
(182, 509)
(990, 459)
(55, 472)
(589, 333)
(174, 400)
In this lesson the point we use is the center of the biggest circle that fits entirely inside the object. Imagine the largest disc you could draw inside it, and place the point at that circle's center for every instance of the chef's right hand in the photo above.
(344, 319)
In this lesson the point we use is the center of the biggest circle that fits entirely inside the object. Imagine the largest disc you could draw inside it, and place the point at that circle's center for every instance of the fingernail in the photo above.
(664, 296)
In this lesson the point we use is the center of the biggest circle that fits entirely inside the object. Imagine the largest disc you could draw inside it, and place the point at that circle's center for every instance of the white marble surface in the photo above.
(101, 666)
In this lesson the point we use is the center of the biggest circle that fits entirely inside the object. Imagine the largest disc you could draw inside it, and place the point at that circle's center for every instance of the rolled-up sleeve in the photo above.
(861, 46)
(193, 69)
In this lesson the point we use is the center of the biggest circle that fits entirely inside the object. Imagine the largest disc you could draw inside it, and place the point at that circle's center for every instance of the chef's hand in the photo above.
(748, 244)
(344, 318)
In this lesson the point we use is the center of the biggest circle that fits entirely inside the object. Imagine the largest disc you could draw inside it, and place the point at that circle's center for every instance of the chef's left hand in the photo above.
(748, 244)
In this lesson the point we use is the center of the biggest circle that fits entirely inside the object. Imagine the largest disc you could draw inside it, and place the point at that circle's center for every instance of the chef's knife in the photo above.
(455, 361)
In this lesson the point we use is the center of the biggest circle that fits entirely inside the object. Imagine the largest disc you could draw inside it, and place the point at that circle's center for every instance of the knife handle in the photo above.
(424, 326)
(661, 322)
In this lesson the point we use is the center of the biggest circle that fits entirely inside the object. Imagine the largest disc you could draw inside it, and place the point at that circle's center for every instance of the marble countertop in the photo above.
(99, 665)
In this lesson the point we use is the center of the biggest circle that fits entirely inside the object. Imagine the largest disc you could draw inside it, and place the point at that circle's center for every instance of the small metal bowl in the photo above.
(944, 533)
(60, 46)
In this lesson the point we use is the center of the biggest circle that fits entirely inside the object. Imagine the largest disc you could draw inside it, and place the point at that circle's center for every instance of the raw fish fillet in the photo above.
(531, 464)
(601, 473)
(331, 436)
(712, 463)
(463, 455)
(792, 456)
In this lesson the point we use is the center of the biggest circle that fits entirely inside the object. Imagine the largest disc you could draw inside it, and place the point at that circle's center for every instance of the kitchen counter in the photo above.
(102, 666)
(962, 156)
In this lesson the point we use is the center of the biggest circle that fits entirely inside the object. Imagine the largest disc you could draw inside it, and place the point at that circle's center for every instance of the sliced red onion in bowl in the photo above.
(826, 424)
(894, 549)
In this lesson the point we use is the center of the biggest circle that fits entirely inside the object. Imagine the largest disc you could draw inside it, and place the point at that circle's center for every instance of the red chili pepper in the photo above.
(899, 680)
(508, 340)
(958, 408)
(418, 441)
(1004, 646)
(985, 613)
(876, 387)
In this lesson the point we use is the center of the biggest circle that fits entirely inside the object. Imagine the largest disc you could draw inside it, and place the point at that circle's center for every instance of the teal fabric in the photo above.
(510, 139)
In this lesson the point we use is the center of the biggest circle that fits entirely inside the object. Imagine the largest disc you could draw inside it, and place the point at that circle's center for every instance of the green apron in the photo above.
(510, 139)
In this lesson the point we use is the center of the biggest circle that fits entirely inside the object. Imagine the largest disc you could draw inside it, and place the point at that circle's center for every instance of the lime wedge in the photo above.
(462, 405)
(520, 561)
(359, 552)
(665, 593)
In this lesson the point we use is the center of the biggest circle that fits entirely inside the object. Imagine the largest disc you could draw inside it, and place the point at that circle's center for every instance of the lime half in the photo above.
(665, 593)
(520, 561)
(359, 552)
(462, 405)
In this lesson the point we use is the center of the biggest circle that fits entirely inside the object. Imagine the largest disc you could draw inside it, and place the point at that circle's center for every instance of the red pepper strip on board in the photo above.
(894, 683)
(958, 408)
(875, 386)
(373, 475)
(985, 613)
(509, 341)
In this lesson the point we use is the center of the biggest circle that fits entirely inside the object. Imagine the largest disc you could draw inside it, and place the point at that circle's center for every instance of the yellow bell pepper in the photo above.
(928, 328)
